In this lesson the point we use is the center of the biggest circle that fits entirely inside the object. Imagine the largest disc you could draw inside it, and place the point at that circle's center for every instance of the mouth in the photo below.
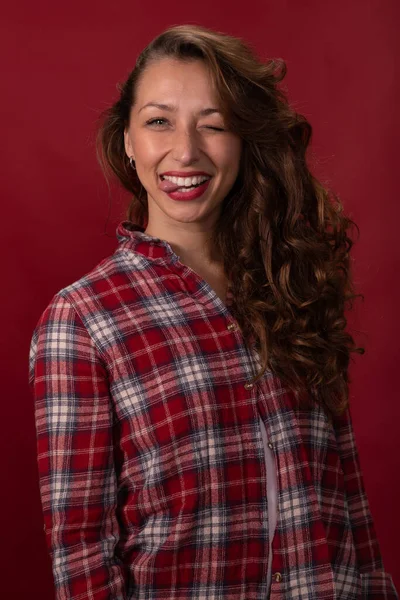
(184, 188)
(190, 182)
(185, 174)
(204, 175)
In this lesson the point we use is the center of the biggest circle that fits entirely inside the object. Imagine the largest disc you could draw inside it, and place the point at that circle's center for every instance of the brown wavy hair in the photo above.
(282, 234)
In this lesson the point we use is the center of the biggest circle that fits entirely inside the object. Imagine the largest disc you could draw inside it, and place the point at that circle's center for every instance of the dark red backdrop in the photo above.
(59, 69)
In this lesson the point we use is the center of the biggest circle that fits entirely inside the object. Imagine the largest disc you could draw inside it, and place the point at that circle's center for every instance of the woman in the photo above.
(191, 391)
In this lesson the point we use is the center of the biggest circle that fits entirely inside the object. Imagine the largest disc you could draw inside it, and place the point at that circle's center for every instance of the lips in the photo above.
(193, 194)
(185, 173)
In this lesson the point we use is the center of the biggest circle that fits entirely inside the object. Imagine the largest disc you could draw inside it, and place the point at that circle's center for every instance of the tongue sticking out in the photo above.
(168, 186)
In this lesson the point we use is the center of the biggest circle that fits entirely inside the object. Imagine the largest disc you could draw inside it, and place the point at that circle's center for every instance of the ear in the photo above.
(128, 144)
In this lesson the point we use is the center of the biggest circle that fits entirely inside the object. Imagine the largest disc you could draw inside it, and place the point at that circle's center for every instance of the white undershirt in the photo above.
(272, 495)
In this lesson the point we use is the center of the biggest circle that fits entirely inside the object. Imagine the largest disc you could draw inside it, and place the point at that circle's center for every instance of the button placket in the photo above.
(234, 327)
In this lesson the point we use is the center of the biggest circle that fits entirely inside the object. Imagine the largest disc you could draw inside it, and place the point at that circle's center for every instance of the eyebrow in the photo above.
(205, 112)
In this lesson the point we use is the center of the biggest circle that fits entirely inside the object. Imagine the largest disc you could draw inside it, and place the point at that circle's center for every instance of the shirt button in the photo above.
(277, 577)
(231, 326)
(248, 386)
(271, 446)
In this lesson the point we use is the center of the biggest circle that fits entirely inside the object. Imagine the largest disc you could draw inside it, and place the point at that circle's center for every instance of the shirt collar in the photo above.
(132, 236)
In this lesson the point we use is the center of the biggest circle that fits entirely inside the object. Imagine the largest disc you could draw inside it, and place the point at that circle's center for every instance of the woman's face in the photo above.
(181, 139)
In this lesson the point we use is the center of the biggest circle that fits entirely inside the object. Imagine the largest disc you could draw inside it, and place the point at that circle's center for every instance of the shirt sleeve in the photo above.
(376, 583)
(77, 477)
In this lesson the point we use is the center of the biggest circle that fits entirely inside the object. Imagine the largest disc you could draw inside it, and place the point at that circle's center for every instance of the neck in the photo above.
(192, 247)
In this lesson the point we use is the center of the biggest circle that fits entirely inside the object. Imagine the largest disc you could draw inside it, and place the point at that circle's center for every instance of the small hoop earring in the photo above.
(131, 161)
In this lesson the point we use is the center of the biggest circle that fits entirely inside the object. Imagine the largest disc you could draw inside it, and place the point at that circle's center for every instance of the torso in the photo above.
(219, 285)
(216, 279)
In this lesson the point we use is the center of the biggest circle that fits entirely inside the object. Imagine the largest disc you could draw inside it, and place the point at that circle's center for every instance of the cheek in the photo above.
(231, 161)
(147, 150)
(232, 150)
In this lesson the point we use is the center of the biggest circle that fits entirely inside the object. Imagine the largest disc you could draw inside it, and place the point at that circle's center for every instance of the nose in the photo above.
(186, 145)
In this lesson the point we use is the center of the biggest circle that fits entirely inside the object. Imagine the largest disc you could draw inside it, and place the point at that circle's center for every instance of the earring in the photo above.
(131, 161)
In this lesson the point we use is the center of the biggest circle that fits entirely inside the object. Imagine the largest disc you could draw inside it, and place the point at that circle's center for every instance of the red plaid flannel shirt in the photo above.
(151, 460)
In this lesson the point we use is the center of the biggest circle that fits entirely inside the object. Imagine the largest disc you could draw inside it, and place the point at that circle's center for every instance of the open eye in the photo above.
(152, 121)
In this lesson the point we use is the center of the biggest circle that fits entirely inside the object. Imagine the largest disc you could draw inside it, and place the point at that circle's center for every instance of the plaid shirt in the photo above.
(151, 459)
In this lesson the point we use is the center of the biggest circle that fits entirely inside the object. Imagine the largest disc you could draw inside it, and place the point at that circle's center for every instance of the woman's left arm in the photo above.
(376, 583)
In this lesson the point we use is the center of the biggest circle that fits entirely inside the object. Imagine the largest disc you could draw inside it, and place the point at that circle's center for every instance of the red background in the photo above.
(59, 69)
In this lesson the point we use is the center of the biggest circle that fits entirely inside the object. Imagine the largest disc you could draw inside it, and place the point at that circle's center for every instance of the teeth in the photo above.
(186, 181)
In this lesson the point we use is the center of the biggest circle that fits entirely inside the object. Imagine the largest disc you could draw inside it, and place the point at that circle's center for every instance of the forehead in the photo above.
(175, 80)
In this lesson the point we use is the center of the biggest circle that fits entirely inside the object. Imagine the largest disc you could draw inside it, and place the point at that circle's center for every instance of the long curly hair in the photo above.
(282, 234)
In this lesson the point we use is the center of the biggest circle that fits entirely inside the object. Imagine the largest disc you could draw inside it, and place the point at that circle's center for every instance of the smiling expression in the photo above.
(184, 133)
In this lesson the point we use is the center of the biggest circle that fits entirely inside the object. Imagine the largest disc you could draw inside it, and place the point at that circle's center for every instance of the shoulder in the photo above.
(105, 284)
(92, 298)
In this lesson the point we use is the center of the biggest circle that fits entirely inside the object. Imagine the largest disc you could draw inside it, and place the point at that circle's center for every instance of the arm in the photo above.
(77, 479)
(375, 582)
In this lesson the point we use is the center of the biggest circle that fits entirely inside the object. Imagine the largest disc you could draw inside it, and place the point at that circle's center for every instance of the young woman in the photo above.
(191, 391)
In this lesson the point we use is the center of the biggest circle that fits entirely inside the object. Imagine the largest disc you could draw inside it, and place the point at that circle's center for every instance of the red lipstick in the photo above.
(171, 189)
(185, 173)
